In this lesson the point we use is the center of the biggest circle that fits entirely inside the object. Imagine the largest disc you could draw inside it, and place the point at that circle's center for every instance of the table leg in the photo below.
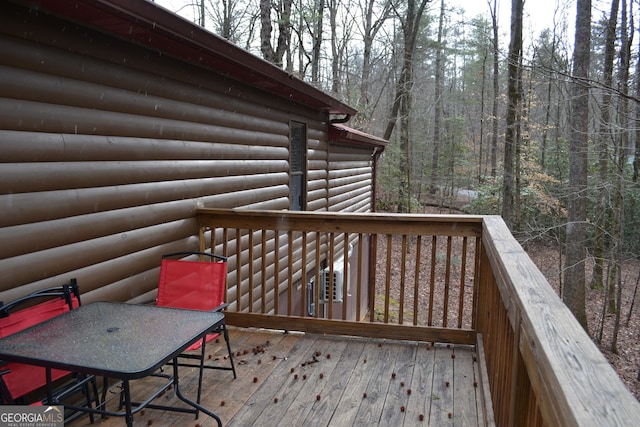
(49, 386)
(197, 406)
(200, 374)
(127, 403)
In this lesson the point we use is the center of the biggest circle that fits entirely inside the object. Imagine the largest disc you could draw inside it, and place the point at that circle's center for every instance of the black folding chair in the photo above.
(19, 381)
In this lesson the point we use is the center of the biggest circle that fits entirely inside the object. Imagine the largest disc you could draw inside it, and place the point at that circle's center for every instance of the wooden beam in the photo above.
(351, 328)
(338, 222)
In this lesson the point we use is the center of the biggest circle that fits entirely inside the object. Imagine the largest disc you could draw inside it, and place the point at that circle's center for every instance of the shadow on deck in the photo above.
(318, 380)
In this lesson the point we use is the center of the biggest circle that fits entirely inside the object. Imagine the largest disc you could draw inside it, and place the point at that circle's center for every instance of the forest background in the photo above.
(529, 110)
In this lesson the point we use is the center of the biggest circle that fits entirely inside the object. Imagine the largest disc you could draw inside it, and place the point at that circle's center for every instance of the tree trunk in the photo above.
(265, 31)
(225, 21)
(438, 106)
(410, 26)
(513, 107)
(496, 91)
(604, 136)
(636, 160)
(275, 56)
(522, 138)
(548, 111)
(369, 31)
(302, 68)
(335, 51)
(317, 37)
(481, 161)
(574, 288)
(622, 152)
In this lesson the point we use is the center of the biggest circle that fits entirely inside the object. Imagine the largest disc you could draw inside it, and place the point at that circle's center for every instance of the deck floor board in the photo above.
(341, 381)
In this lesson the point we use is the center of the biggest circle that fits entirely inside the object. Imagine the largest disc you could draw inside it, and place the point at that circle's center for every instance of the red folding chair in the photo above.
(196, 285)
(17, 380)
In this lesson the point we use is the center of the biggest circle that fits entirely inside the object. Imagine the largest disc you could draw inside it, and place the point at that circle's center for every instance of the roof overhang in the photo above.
(346, 135)
(149, 25)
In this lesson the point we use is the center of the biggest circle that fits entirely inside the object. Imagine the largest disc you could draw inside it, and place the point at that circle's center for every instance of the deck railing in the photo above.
(368, 285)
(430, 278)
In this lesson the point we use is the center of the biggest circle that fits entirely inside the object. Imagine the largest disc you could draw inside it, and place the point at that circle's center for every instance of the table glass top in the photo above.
(106, 338)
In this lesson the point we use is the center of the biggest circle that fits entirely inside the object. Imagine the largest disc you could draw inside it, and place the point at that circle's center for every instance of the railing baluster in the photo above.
(416, 283)
(250, 261)
(303, 289)
(447, 283)
(238, 269)
(263, 269)
(225, 253)
(316, 288)
(345, 281)
(331, 284)
(202, 243)
(403, 272)
(463, 270)
(276, 272)
(387, 286)
(432, 278)
(359, 280)
(373, 262)
(290, 272)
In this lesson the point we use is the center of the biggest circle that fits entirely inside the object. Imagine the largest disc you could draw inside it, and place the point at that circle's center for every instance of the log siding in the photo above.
(108, 148)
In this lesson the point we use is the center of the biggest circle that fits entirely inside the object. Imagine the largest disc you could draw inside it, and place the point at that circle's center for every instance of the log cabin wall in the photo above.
(350, 175)
(108, 148)
(347, 189)
(350, 179)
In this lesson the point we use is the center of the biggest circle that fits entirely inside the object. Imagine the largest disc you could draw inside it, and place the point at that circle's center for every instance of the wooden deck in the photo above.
(316, 380)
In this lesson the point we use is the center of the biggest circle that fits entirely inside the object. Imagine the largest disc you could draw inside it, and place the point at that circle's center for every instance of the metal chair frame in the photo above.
(69, 293)
(222, 330)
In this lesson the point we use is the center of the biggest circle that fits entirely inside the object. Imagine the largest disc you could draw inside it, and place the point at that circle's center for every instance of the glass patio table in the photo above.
(115, 340)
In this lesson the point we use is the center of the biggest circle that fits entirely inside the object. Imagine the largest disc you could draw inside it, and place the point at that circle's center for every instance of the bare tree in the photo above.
(315, 28)
(636, 160)
(438, 104)
(574, 291)
(283, 13)
(606, 136)
(336, 51)
(224, 23)
(603, 139)
(636, 173)
(513, 107)
(370, 29)
(496, 89)
(618, 228)
(552, 64)
(410, 23)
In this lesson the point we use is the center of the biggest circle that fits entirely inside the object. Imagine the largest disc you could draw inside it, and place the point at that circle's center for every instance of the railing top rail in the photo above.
(341, 222)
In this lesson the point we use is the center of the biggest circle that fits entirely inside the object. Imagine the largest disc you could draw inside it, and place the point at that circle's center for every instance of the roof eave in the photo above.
(150, 25)
(344, 134)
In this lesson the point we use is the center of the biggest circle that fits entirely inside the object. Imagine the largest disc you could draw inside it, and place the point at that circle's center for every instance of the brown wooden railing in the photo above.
(430, 278)
(542, 366)
(281, 254)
